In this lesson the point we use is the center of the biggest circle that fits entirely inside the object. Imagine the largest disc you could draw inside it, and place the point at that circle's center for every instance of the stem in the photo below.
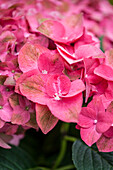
(66, 167)
(39, 168)
(70, 138)
(64, 130)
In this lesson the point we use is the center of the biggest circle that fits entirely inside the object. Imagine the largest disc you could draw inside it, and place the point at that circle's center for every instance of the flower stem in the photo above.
(70, 138)
(64, 130)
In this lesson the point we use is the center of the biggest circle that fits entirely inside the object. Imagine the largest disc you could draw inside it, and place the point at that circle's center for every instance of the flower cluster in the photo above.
(98, 18)
(50, 63)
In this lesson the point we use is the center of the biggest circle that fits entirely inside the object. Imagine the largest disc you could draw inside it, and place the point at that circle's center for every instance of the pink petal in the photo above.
(90, 135)
(66, 109)
(101, 127)
(50, 63)
(74, 26)
(105, 72)
(68, 58)
(53, 30)
(105, 120)
(2, 123)
(3, 144)
(33, 88)
(66, 49)
(9, 81)
(23, 77)
(6, 112)
(28, 56)
(105, 144)
(32, 122)
(85, 121)
(109, 58)
(59, 84)
(20, 116)
(13, 100)
(77, 87)
(45, 119)
(89, 112)
(109, 132)
(86, 51)
(96, 104)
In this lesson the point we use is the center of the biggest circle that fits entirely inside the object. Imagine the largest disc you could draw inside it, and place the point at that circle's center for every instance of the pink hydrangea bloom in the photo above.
(94, 121)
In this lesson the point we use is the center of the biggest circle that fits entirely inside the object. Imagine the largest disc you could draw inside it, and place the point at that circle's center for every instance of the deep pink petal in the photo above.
(89, 112)
(66, 109)
(101, 127)
(109, 132)
(77, 87)
(59, 84)
(49, 63)
(85, 121)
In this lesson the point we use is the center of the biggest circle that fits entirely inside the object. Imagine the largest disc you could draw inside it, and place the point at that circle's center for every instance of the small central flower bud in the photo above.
(27, 108)
(56, 96)
(44, 72)
(95, 121)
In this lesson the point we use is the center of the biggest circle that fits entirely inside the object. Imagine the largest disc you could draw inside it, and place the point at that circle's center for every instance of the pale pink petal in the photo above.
(53, 30)
(105, 72)
(4, 144)
(33, 88)
(90, 135)
(86, 51)
(74, 26)
(109, 58)
(28, 56)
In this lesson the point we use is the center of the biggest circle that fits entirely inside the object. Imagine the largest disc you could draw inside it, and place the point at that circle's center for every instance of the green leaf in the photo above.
(15, 159)
(101, 43)
(111, 2)
(86, 158)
